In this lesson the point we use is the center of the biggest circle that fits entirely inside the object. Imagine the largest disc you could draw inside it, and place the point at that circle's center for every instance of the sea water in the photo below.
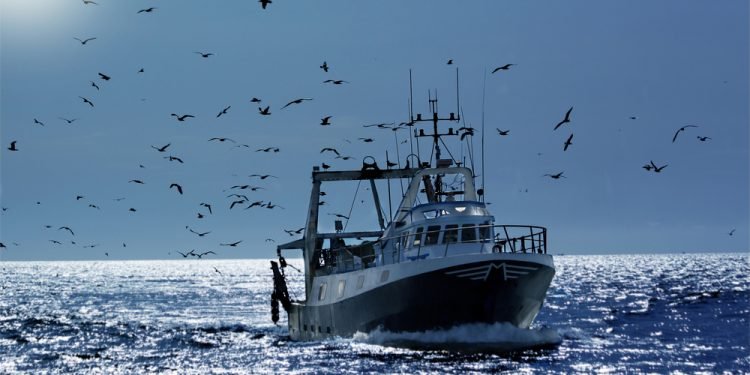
(603, 314)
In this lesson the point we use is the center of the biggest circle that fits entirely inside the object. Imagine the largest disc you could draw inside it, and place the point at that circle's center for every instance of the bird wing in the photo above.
(677, 133)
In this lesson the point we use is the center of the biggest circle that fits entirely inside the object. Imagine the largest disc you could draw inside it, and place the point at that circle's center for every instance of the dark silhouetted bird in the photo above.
(681, 130)
(79, 197)
(173, 158)
(181, 118)
(568, 142)
(731, 232)
(233, 244)
(147, 10)
(657, 169)
(87, 101)
(556, 176)
(324, 67)
(69, 121)
(264, 3)
(450, 62)
(68, 229)
(566, 119)
(325, 166)
(200, 255)
(295, 101)
(325, 120)
(162, 148)
(340, 216)
(222, 139)
(88, 2)
(38, 122)
(255, 100)
(137, 181)
(502, 132)
(265, 111)
(703, 139)
(208, 206)
(335, 81)
(329, 149)
(366, 140)
(199, 234)
(504, 67)
(647, 167)
(131, 209)
(263, 176)
(84, 41)
(179, 188)
(13, 146)
(94, 85)
(205, 55)
(223, 111)
(104, 77)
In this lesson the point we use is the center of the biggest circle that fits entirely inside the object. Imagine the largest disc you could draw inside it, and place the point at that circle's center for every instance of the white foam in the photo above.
(479, 337)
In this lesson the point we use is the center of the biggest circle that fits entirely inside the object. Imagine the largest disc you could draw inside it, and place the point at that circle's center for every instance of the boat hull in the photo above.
(476, 289)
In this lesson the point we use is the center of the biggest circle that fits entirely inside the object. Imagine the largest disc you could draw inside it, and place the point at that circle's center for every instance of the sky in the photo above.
(634, 72)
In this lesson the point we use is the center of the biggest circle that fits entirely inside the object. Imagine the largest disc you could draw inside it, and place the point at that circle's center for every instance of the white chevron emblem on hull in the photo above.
(483, 272)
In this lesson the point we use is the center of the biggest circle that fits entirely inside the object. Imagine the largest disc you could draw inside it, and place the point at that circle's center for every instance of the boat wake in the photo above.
(477, 337)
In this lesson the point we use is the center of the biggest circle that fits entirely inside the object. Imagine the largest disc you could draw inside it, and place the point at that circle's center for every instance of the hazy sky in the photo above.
(667, 63)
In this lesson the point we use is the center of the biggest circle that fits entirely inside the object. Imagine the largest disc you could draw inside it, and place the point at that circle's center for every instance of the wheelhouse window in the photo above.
(417, 237)
(342, 287)
(484, 232)
(468, 233)
(432, 235)
(451, 233)
(322, 292)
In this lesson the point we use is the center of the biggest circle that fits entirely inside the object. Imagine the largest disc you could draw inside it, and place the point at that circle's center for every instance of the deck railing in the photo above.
(506, 239)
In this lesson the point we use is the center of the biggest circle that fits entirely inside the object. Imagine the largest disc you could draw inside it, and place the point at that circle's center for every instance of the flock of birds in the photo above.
(237, 196)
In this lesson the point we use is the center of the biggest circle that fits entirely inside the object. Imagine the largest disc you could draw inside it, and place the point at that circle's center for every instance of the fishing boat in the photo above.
(440, 260)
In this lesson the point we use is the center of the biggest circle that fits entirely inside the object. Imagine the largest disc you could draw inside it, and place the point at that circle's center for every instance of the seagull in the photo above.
(324, 67)
(657, 169)
(207, 206)
(504, 67)
(335, 81)
(38, 122)
(329, 149)
(185, 255)
(325, 120)
(223, 111)
(79, 197)
(366, 140)
(682, 129)
(268, 149)
(88, 101)
(83, 42)
(450, 62)
(568, 142)
(204, 55)
(147, 10)
(94, 85)
(13, 146)
(647, 167)
(56, 242)
(254, 204)
(94, 206)
(217, 270)
(69, 121)
(200, 255)
(263, 177)
(633, 117)
(271, 206)
(325, 166)
(703, 139)
(183, 117)
(264, 3)
(179, 188)
(255, 100)
(173, 158)
(140, 70)
(199, 234)
(233, 244)
(222, 139)
(241, 201)
(731, 232)
(555, 176)
(295, 101)
(502, 132)
(265, 111)
(162, 148)
(68, 229)
(104, 77)
(131, 209)
(137, 181)
(566, 119)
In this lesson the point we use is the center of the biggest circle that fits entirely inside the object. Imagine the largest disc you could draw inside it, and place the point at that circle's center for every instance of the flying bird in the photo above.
(183, 117)
(68, 229)
(263, 177)
(13, 146)
(87, 2)
(340, 216)
(335, 81)
(79, 197)
(38, 122)
(329, 149)
(703, 139)
(94, 206)
(199, 234)
(657, 169)
(222, 139)
(233, 244)
(682, 129)
(566, 119)
(264, 3)
(83, 42)
(324, 67)
(137, 181)
(200, 255)
(731, 232)
(217, 271)
(94, 85)
(295, 101)
(223, 111)
(69, 121)
(555, 176)
(647, 167)
(450, 62)
(265, 111)
(268, 149)
(174, 158)
(366, 140)
(205, 55)
(325, 120)
(208, 206)
(185, 255)
(504, 67)
(179, 188)
(162, 148)
(502, 132)
(568, 142)
(87, 101)
(255, 100)
(325, 166)
(104, 77)
(147, 10)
